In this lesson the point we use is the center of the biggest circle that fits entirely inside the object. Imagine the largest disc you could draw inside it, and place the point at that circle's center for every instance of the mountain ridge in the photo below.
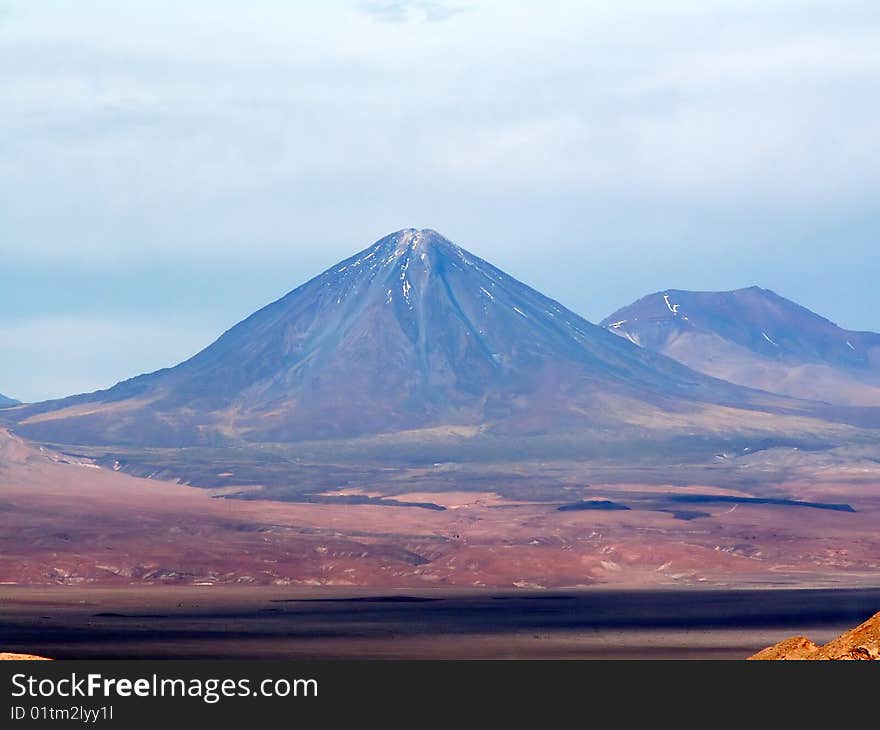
(759, 339)
(411, 332)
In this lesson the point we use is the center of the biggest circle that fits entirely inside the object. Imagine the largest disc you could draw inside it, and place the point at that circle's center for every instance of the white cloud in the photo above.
(405, 11)
(131, 121)
(800, 61)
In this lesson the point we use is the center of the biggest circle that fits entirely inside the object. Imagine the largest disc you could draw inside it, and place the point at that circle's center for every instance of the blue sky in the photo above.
(168, 167)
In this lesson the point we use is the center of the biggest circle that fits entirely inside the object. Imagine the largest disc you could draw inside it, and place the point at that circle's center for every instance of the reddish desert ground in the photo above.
(97, 563)
(69, 521)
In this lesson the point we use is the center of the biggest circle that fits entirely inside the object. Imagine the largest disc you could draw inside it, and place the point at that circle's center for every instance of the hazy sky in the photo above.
(168, 167)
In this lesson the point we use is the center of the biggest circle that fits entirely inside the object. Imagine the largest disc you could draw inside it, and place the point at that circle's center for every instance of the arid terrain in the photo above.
(95, 562)
(69, 521)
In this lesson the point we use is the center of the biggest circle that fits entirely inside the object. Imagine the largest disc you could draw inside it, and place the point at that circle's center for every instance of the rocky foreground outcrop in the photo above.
(863, 642)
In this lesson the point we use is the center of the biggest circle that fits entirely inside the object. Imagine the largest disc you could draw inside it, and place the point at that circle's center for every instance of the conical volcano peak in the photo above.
(410, 254)
(412, 241)
(408, 245)
(418, 237)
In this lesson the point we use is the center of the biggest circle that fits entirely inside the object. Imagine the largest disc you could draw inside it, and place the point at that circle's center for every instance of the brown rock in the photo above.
(795, 647)
(863, 642)
(7, 656)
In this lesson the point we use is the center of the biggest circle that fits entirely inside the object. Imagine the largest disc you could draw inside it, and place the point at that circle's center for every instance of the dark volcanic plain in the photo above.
(273, 623)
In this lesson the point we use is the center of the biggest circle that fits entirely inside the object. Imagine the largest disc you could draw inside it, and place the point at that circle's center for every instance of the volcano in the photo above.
(413, 332)
(758, 339)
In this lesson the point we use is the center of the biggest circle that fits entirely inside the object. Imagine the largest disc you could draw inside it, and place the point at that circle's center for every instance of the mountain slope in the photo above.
(756, 338)
(412, 332)
(7, 401)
